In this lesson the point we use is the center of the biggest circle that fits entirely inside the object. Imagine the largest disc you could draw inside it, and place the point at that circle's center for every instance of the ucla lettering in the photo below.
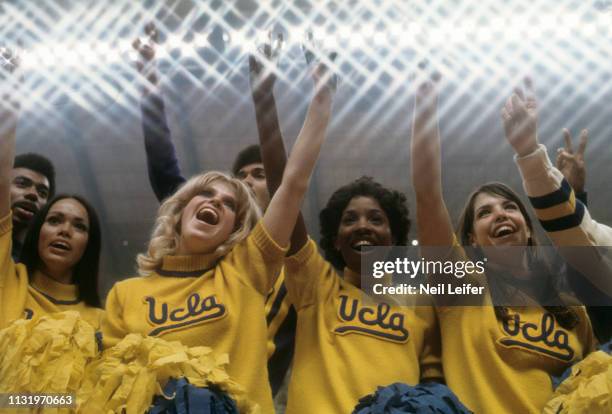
(390, 324)
(196, 310)
(534, 335)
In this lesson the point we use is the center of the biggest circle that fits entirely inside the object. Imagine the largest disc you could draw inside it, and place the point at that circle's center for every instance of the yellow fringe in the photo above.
(587, 390)
(46, 355)
(127, 376)
(57, 353)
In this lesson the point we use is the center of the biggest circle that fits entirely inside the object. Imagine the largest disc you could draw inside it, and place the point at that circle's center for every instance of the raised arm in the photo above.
(434, 224)
(8, 126)
(273, 154)
(281, 215)
(163, 168)
(569, 223)
(565, 219)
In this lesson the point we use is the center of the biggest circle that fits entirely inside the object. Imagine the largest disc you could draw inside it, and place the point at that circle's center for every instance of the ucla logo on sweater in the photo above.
(379, 321)
(543, 338)
(196, 310)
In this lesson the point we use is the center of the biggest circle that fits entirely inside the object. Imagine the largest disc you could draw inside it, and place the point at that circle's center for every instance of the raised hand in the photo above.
(9, 64)
(262, 75)
(520, 117)
(146, 53)
(570, 163)
(426, 101)
(325, 79)
(425, 143)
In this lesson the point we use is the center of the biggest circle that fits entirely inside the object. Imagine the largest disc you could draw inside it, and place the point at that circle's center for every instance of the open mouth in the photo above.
(60, 245)
(503, 231)
(208, 216)
(25, 209)
(362, 246)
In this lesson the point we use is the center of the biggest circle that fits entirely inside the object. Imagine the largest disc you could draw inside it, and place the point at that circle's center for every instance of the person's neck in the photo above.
(19, 233)
(60, 277)
(354, 278)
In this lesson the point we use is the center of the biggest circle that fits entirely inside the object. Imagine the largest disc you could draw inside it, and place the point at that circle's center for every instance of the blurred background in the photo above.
(83, 92)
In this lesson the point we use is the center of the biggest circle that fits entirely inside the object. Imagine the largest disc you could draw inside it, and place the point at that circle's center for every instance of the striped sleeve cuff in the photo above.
(551, 196)
(559, 210)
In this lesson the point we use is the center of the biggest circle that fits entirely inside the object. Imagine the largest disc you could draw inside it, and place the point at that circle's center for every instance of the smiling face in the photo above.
(29, 192)
(254, 176)
(363, 224)
(63, 238)
(208, 220)
(498, 221)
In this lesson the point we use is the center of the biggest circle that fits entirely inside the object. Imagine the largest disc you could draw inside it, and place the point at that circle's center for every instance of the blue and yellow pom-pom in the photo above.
(130, 374)
(587, 388)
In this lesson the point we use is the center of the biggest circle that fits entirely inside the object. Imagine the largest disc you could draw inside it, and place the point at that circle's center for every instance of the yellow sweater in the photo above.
(21, 298)
(506, 367)
(496, 367)
(200, 302)
(345, 348)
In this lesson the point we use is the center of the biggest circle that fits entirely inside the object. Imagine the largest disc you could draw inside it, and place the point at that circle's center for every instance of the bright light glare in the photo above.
(479, 38)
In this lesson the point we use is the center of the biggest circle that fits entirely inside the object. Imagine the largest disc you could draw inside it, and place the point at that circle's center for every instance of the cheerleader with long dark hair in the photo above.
(497, 357)
(58, 269)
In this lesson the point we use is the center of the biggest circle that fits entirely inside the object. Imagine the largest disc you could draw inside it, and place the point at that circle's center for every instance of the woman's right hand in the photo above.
(520, 117)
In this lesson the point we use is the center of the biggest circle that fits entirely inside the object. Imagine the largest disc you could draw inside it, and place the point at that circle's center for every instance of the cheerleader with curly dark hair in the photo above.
(347, 345)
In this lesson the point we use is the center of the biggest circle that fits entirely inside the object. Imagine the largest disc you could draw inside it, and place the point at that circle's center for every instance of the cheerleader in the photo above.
(165, 177)
(495, 358)
(346, 345)
(211, 262)
(60, 254)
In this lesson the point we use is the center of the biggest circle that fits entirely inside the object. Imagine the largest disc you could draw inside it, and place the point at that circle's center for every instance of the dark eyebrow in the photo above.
(350, 211)
(23, 178)
(483, 207)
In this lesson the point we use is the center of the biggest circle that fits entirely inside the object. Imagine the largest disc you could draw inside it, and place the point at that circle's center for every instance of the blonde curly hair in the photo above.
(167, 230)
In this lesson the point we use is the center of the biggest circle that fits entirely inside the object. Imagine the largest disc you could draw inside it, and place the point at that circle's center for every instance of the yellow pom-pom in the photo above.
(130, 374)
(587, 390)
(46, 355)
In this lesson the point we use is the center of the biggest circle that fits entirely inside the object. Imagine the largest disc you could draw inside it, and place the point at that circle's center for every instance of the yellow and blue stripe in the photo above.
(559, 210)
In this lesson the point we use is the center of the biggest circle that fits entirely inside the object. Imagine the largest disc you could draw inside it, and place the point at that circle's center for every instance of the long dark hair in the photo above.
(85, 272)
(564, 315)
